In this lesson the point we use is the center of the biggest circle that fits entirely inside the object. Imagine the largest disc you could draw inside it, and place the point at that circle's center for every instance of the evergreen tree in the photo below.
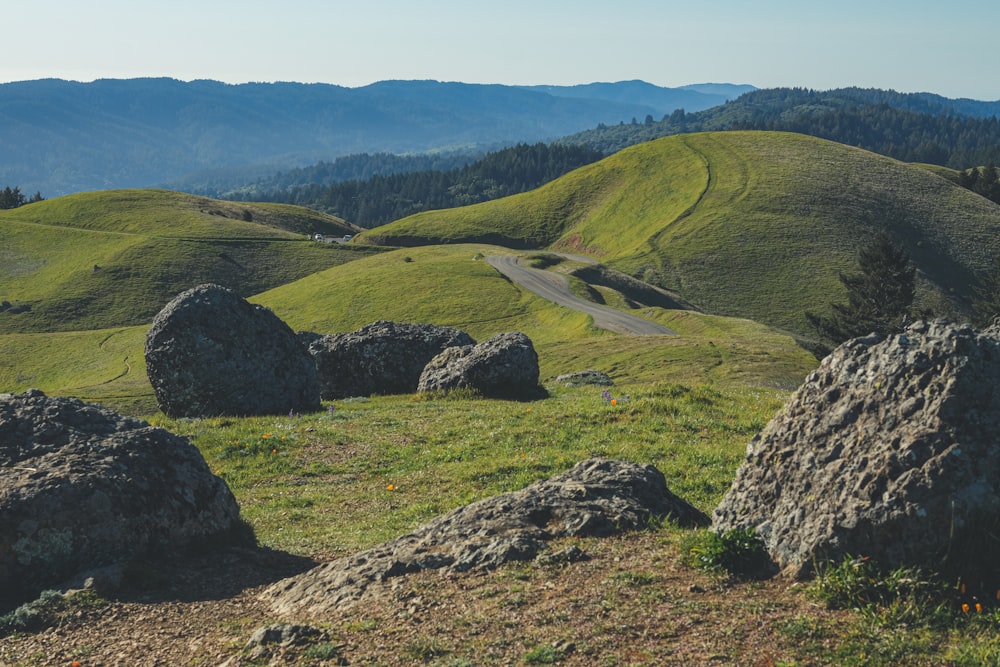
(879, 297)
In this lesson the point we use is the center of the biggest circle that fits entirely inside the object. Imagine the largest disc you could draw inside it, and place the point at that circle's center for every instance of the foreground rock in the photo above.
(888, 450)
(595, 498)
(505, 366)
(380, 358)
(210, 353)
(82, 487)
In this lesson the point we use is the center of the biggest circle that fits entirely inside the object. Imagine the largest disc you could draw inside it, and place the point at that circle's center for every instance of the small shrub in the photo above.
(323, 651)
(738, 552)
(34, 615)
(544, 654)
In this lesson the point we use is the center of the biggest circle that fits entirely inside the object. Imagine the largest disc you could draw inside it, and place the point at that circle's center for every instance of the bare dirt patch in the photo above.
(631, 603)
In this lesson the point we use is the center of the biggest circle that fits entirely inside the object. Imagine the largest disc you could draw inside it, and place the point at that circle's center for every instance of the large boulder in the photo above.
(379, 358)
(210, 353)
(505, 366)
(888, 451)
(82, 487)
(597, 497)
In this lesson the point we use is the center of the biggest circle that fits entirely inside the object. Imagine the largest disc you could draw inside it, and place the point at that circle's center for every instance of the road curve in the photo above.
(555, 288)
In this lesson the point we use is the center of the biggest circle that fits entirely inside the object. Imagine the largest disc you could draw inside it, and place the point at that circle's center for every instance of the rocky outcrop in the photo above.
(888, 450)
(82, 487)
(505, 366)
(380, 358)
(597, 497)
(210, 353)
(588, 377)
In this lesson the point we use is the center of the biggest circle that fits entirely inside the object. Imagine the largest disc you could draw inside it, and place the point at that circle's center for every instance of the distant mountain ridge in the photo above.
(61, 136)
(664, 100)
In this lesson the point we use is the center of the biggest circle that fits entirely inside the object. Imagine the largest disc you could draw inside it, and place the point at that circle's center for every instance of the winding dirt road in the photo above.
(555, 288)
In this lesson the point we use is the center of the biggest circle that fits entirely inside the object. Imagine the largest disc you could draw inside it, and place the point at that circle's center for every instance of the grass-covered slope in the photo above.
(447, 285)
(748, 224)
(452, 285)
(114, 258)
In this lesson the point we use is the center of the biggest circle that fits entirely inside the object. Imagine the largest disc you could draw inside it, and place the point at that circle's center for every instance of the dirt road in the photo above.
(555, 288)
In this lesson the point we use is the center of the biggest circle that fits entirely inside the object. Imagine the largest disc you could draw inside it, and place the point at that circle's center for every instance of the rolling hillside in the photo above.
(746, 224)
(448, 285)
(114, 258)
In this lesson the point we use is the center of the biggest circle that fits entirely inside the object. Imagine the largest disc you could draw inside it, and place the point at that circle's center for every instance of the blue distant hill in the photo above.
(61, 136)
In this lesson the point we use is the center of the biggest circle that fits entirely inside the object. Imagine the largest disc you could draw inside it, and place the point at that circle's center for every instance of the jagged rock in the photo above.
(210, 353)
(379, 358)
(597, 497)
(505, 366)
(588, 377)
(888, 450)
(82, 487)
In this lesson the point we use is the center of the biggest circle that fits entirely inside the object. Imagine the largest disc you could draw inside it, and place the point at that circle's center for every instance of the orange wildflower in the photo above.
(965, 607)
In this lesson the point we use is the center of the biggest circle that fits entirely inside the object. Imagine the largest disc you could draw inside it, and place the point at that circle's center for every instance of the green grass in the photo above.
(747, 224)
(104, 366)
(319, 484)
(447, 285)
(167, 214)
(106, 259)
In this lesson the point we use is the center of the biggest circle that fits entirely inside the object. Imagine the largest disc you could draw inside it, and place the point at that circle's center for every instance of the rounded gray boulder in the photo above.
(888, 451)
(210, 352)
(505, 366)
(82, 487)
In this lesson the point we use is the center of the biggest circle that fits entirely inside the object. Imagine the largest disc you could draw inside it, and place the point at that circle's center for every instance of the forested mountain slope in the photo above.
(63, 136)
(914, 127)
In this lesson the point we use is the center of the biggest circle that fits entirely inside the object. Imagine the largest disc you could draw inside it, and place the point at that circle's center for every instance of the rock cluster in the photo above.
(888, 450)
(209, 352)
(505, 366)
(597, 497)
(82, 487)
(380, 358)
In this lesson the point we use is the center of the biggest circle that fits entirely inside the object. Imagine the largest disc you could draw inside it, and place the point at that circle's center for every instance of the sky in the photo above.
(904, 45)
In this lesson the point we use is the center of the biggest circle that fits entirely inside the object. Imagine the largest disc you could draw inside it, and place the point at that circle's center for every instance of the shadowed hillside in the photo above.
(748, 224)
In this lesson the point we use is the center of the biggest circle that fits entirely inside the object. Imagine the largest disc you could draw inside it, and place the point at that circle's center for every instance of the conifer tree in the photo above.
(879, 297)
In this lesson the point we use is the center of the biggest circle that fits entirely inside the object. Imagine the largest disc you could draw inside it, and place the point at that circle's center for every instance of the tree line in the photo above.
(384, 198)
(14, 198)
(908, 127)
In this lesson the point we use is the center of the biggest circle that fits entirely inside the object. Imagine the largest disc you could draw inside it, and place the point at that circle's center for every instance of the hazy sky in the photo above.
(906, 45)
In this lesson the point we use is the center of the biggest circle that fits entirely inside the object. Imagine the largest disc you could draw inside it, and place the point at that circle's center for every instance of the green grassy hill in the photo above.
(114, 258)
(452, 285)
(448, 285)
(746, 224)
